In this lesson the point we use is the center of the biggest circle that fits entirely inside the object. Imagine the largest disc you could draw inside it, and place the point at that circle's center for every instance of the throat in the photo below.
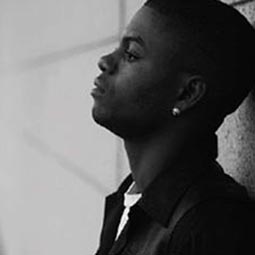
(148, 157)
(151, 155)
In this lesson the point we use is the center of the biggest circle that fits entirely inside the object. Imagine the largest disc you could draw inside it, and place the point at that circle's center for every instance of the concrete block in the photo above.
(248, 10)
(237, 144)
(231, 1)
(237, 134)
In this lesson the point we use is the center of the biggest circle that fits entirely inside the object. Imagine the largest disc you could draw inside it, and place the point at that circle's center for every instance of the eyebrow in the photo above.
(137, 39)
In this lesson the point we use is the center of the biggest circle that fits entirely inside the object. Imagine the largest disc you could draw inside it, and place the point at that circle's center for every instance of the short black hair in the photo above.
(220, 44)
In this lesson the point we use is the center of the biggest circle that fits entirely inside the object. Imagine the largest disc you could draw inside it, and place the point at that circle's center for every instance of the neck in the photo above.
(149, 155)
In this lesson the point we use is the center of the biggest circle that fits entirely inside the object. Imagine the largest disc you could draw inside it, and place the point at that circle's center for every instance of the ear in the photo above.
(191, 91)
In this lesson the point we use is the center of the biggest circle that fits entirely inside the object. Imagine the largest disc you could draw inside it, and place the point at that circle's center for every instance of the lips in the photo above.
(99, 89)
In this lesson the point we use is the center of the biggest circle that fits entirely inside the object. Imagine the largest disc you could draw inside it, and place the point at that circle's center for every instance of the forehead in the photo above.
(149, 25)
(146, 18)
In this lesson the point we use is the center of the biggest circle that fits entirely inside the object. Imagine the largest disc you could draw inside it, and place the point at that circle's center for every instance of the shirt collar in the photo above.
(161, 197)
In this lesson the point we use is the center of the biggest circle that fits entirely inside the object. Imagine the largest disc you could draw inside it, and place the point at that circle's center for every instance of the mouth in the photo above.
(98, 90)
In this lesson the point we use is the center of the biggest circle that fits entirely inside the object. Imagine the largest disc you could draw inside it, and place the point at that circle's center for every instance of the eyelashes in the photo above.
(128, 52)
(130, 56)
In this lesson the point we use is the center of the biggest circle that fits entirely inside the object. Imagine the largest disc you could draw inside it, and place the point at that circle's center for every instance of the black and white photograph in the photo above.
(127, 127)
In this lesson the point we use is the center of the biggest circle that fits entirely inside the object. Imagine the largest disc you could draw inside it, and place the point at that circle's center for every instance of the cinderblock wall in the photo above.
(237, 134)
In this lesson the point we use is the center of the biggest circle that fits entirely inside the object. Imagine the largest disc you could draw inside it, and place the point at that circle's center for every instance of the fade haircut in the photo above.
(218, 43)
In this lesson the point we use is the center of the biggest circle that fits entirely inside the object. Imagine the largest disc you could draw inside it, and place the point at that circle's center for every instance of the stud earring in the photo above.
(176, 111)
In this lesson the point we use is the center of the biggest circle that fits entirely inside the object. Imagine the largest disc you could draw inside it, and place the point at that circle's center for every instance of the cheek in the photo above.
(146, 85)
(143, 93)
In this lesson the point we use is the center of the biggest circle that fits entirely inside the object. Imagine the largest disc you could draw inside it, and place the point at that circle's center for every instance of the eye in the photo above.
(130, 56)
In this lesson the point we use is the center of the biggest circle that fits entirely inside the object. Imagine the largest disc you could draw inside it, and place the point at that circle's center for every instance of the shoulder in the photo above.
(219, 219)
(216, 227)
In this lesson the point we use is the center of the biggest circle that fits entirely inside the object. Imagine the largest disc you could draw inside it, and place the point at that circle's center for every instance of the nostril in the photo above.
(107, 64)
(102, 64)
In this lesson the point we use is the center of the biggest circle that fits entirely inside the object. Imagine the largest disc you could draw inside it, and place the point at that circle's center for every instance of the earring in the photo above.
(176, 111)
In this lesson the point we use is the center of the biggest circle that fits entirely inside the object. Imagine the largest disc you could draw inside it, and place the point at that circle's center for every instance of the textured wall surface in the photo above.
(237, 134)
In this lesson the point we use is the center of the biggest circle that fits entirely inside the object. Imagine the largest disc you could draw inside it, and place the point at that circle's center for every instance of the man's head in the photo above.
(216, 42)
(185, 54)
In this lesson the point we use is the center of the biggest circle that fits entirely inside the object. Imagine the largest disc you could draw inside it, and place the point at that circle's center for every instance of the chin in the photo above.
(99, 115)
(120, 128)
(103, 118)
(126, 127)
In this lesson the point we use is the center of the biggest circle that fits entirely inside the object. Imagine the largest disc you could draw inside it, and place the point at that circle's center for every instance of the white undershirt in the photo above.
(131, 197)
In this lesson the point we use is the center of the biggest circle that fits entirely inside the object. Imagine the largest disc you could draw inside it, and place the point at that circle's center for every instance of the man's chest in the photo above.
(140, 236)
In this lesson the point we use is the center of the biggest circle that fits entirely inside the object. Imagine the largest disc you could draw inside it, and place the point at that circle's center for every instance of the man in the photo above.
(180, 68)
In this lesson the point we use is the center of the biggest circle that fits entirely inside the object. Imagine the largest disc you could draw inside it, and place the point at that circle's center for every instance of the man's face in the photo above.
(136, 89)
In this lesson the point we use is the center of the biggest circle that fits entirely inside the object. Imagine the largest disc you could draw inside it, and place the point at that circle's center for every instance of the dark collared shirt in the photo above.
(219, 223)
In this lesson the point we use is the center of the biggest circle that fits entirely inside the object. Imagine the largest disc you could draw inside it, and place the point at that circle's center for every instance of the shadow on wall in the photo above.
(237, 144)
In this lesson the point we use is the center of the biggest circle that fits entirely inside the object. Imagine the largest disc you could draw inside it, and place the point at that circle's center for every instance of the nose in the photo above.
(107, 64)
